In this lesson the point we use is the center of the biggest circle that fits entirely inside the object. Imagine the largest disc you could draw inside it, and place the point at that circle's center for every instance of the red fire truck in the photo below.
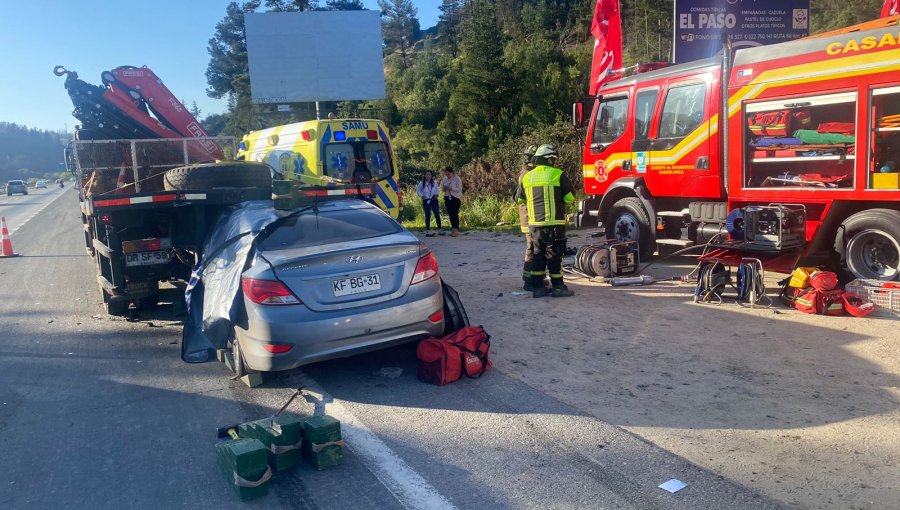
(806, 161)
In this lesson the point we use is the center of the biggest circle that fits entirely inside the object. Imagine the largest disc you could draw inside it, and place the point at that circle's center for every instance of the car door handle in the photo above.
(626, 165)
(702, 163)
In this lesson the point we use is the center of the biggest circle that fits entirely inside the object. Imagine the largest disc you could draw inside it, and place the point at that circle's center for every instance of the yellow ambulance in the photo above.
(330, 151)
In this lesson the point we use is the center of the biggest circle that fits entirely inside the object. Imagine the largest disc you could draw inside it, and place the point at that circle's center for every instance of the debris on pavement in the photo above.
(673, 485)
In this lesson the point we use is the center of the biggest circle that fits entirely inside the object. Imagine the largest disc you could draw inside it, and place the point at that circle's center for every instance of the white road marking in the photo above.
(410, 489)
(17, 227)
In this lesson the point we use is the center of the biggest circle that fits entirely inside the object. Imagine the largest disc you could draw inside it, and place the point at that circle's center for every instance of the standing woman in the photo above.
(428, 190)
(451, 185)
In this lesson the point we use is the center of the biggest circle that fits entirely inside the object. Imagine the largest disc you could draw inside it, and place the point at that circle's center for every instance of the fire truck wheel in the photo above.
(628, 221)
(219, 175)
(869, 244)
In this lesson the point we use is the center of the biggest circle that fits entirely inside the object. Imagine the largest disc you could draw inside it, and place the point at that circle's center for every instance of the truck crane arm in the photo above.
(122, 108)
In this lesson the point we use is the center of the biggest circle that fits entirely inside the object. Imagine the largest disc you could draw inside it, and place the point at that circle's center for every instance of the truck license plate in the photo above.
(146, 258)
(356, 285)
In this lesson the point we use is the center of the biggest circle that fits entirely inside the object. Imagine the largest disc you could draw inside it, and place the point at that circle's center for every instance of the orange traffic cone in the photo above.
(120, 182)
(7, 249)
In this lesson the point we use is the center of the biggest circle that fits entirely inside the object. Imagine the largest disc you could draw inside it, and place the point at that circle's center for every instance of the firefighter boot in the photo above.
(561, 291)
(537, 287)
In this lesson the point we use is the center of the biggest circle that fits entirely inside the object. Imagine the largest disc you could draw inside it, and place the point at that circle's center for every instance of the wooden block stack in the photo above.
(322, 443)
(244, 462)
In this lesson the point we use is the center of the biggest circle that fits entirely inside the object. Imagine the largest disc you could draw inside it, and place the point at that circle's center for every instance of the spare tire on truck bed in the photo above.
(207, 176)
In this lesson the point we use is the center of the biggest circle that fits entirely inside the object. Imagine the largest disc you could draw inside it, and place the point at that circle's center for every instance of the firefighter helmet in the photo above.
(547, 151)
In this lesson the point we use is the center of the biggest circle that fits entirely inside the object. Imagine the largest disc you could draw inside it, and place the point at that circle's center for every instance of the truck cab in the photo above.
(332, 151)
(652, 135)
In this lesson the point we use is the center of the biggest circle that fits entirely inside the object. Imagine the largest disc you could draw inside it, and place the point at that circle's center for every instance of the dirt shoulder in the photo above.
(803, 408)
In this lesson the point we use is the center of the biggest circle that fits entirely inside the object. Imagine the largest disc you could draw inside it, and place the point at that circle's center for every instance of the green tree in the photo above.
(195, 110)
(826, 15)
(399, 25)
(482, 87)
(291, 5)
(448, 24)
(344, 5)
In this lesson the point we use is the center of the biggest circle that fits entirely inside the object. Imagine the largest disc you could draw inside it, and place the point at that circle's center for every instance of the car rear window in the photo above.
(330, 226)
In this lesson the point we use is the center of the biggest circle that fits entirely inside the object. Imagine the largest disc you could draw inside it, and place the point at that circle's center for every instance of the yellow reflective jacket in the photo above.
(546, 191)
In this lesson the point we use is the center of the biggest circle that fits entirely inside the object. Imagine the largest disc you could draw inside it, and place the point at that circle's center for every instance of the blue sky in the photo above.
(92, 36)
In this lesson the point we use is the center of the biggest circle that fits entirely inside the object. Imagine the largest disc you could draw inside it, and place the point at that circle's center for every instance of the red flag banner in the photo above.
(607, 31)
(890, 8)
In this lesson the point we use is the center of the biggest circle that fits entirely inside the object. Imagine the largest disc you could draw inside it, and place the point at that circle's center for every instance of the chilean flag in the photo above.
(607, 31)
(890, 8)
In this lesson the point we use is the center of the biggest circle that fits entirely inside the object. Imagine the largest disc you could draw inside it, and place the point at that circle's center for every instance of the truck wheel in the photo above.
(219, 175)
(628, 221)
(869, 244)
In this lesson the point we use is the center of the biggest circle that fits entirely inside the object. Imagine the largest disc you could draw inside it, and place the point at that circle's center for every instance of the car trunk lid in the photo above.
(346, 275)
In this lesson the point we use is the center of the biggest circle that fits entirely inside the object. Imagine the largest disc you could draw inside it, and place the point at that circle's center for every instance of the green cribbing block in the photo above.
(283, 204)
(317, 432)
(280, 187)
(247, 458)
(286, 434)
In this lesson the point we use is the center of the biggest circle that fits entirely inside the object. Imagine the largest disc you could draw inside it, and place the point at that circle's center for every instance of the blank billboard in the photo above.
(314, 56)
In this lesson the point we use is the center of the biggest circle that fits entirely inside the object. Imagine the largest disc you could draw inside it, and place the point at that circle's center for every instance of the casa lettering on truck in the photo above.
(332, 151)
(678, 154)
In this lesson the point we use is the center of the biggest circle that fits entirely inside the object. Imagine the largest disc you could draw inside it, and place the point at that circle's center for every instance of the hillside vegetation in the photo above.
(489, 79)
(29, 153)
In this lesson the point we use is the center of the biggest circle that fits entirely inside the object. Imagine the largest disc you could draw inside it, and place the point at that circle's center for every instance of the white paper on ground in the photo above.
(673, 485)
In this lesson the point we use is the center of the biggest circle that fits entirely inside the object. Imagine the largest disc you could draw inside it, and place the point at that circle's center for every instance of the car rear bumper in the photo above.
(319, 336)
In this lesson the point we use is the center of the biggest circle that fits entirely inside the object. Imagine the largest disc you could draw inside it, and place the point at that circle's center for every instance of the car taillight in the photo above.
(268, 292)
(437, 316)
(277, 348)
(400, 199)
(425, 269)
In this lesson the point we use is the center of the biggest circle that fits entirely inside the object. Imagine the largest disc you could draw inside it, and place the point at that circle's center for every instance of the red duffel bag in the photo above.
(831, 302)
(823, 280)
(828, 302)
(463, 353)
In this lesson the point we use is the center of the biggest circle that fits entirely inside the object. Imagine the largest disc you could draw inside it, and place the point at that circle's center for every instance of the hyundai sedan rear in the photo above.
(339, 280)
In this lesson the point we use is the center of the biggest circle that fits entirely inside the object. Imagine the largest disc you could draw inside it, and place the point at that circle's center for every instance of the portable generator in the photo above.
(608, 259)
(775, 227)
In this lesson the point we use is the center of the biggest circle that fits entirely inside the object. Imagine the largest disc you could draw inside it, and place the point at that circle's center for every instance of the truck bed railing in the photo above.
(100, 162)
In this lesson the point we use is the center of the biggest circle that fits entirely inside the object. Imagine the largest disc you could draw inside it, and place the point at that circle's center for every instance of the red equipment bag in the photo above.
(823, 280)
(805, 301)
(843, 128)
(463, 353)
(789, 295)
(778, 122)
(829, 302)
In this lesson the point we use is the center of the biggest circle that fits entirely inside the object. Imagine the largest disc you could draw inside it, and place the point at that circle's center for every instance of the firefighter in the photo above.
(546, 191)
(527, 165)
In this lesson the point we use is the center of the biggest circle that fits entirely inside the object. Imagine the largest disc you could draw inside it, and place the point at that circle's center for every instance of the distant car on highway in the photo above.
(40, 184)
(16, 187)
(339, 280)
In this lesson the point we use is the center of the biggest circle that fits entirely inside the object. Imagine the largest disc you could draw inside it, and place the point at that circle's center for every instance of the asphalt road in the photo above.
(100, 412)
(18, 209)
